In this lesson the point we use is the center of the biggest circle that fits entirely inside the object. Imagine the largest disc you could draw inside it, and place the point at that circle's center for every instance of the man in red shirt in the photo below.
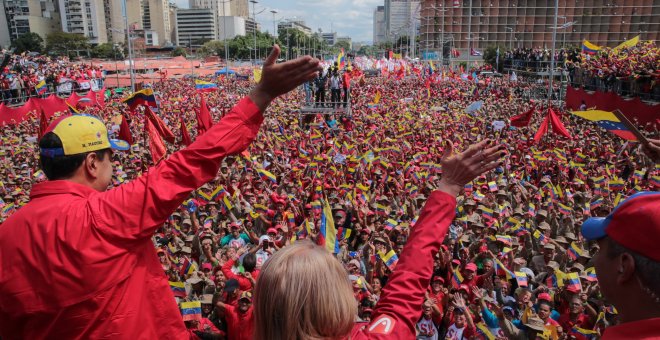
(628, 263)
(240, 320)
(77, 262)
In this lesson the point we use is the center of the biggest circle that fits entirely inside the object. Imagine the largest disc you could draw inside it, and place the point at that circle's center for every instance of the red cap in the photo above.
(544, 297)
(271, 230)
(634, 224)
(464, 287)
(471, 266)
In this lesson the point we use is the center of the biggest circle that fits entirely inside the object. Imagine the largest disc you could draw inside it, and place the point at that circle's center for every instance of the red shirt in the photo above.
(643, 330)
(398, 310)
(243, 283)
(582, 321)
(239, 326)
(76, 263)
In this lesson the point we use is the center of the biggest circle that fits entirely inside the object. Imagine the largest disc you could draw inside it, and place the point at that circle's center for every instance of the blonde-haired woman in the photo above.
(303, 292)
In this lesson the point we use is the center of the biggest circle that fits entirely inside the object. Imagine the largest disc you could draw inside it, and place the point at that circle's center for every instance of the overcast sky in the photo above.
(352, 18)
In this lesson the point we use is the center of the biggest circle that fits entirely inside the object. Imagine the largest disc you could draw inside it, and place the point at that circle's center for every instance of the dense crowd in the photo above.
(23, 74)
(513, 262)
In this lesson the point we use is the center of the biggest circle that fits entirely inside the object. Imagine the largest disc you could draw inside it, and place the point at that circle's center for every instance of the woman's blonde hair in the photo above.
(303, 292)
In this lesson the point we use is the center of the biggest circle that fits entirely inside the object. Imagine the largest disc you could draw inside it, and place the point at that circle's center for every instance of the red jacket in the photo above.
(239, 326)
(400, 304)
(76, 263)
(243, 283)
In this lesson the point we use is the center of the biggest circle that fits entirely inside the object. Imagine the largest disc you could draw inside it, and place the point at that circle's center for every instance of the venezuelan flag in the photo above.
(380, 208)
(390, 224)
(191, 310)
(487, 213)
(484, 331)
(178, 288)
(538, 235)
(627, 44)
(574, 251)
(499, 266)
(317, 207)
(220, 190)
(390, 259)
(617, 184)
(144, 97)
(590, 48)
(8, 208)
(521, 278)
(41, 87)
(591, 274)
(573, 281)
(226, 204)
(456, 278)
(506, 239)
(266, 175)
(327, 230)
(607, 121)
(341, 59)
(205, 86)
(564, 209)
(585, 333)
(597, 203)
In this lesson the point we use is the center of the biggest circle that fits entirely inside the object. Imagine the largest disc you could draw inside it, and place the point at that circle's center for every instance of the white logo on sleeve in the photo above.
(383, 325)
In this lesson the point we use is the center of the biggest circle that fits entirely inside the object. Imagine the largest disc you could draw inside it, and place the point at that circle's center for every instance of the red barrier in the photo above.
(610, 101)
(51, 105)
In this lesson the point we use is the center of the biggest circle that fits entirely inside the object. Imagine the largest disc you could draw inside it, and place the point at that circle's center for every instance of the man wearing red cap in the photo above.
(77, 262)
(628, 264)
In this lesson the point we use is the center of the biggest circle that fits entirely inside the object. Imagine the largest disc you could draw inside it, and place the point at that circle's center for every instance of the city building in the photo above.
(346, 39)
(23, 16)
(515, 23)
(85, 17)
(156, 18)
(235, 26)
(114, 18)
(380, 27)
(330, 38)
(195, 26)
(402, 18)
(239, 8)
(251, 25)
(296, 24)
(220, 7)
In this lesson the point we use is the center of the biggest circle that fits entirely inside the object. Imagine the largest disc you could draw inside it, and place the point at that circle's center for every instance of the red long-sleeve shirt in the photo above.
(76, 263)
(400, 304)
(243, 283)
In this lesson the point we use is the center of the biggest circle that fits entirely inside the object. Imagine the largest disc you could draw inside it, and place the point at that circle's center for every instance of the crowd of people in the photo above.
(513, 265)
(23, 73)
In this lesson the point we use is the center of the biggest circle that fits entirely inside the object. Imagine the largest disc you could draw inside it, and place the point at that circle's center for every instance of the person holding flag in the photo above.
(100, 269)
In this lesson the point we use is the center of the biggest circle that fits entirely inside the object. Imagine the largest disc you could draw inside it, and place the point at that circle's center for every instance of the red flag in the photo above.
(43, 124)
(156, 145)
(125, 131)
(204, 121)
(523, 119)
(543, 129)
(557, 126)
(185, 137)
(160, 126)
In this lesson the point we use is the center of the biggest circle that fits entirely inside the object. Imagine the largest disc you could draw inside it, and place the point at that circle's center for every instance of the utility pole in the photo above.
(552, 56)
(130, 48)
(469, 54)
(254, 20)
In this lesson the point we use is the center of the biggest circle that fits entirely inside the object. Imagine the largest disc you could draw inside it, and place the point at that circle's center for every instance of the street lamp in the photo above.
(224, 37)
(510, 37)
(274, 30)
(254, 22)
(130, 47)
(563, 27)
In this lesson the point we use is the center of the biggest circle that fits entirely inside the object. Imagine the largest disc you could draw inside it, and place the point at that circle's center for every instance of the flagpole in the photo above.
(552, 56)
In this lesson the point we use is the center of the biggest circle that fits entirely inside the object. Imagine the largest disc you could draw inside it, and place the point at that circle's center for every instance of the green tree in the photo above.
(178, 52)
(69, 44)
(105, 51)
(343, 44)
(28, 42)
(211, 48)
(490, 57)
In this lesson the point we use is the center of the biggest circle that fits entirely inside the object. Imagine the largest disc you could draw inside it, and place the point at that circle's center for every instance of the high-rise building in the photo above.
(240, 8)
(251, 25)
(529, 23)
(193, 26)
(401, 18)
(380, 28)
(114, 18)
(156, 18)
(85, 17)
(230, 27)
(23, 16)
(220, 7)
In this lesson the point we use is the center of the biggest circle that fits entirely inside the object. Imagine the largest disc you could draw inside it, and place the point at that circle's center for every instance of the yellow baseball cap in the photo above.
(81, 134)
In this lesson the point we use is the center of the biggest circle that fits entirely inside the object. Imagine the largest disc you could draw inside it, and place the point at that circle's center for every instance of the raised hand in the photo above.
(278, 79)
(460, 169)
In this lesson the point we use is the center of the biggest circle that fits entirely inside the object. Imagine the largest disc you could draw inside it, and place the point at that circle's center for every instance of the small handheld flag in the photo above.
(191, 310)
